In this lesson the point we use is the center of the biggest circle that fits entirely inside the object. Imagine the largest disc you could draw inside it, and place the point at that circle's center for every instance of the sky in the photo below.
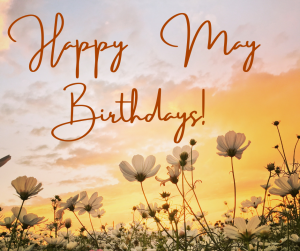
(33, 103)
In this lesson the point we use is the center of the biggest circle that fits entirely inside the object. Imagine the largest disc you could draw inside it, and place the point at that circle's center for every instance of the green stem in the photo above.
(234, 185)
(266, 189)
(84, 226)
(294, 154)
(150, 209)
(183, 202)
(285, 160)
(15, 226)
(93, 230)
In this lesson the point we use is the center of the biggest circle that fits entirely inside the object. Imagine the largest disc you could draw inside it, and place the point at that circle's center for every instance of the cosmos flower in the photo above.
(244, 209)
(266, 186)
(55, 241)
(295, 238)
(8, 221)
(16, 211)
(200, 215)
(26, 187)
(255, 201)
(141, 169)
(175, 159)
(286, 186)
(98, 213)
(70, 203)
(229, 146)
(245, 231)
(71, 245)
(173, 172)
(29, 220)
(89, 205)
(4, 160)
(146, 212)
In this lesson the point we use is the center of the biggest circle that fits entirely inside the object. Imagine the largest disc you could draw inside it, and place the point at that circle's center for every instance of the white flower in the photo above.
(266, 186)
(231, 143)
(244, 209)
(286, 186)
(71, 245)
(295, 238)
(148, 211)
(98, 213)
(245, 231)
(89, 205)
(4, 160)
(29, 220)
(173, 172)
(255, 201)
(55, 241)
(175, 159)
(8, 221)
(200, 215)
(141, 169)
(16, 211)
(70, 203)
(26, 187)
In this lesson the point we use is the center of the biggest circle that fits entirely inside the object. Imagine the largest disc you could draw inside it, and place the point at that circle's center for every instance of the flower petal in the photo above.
(138, 163)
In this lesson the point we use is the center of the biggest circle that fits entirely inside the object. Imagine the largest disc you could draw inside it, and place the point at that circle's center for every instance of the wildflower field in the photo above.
(268, 223)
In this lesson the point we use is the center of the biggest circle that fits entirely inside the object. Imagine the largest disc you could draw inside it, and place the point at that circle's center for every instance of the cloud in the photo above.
(86, 181)
(41, 131)
(41, 147)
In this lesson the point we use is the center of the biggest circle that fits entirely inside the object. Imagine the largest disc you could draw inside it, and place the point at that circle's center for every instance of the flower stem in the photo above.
(263, 216)
(183, 202)
(150, 209)
(15, 226)
(93, 230)
(234, 190)
(283, 151)
(294, 154)
(83, 226)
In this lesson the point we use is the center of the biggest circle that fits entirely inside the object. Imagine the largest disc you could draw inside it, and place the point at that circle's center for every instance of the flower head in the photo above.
(173, 172)
(266, 186)
(255, 201)
(286, 186)
(55, 241)
(141, 169)
(245, 231)
(8, 221)
(98, 213)
(229, 145)
(26, 187)
(183, 157)
(29, 220)
(89, 205)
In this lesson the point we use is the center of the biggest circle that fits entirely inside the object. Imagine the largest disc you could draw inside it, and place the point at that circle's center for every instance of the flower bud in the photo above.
(184, 156)
(165, 206)
(298, 136)
(165, 195)
(276, 123)
(270, 167)
(68, 223)
(193, 142)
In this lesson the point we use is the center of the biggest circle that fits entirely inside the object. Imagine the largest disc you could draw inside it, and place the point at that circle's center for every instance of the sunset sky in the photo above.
(33, 103)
